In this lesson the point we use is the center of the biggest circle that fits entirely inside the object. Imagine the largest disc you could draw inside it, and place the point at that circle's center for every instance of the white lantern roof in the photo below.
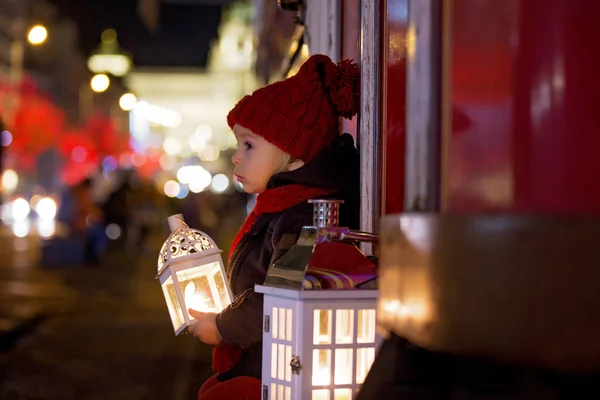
(184, 243)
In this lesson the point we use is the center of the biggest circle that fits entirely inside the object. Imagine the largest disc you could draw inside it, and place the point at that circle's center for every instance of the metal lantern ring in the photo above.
(191, 274)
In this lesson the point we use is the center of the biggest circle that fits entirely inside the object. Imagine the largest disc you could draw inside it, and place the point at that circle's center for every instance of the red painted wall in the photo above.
(524, 80)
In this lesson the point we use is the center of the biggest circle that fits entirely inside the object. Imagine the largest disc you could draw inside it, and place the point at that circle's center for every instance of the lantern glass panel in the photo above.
(364, 360)
(173, 304)
(321, 394)
(274, 322)
(282, 323)
(322, 327)
(366, 326)
(343, 367)
(274, 360)
(342, 394)
(221, 286)
(200, 290)
(282, 363)
(321, 374)
(344, 326)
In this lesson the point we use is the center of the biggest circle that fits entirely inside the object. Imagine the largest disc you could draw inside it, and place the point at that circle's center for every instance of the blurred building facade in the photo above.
(195, 101)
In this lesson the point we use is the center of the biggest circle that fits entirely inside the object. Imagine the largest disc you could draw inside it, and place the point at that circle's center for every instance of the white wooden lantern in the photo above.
(317, 344)
(191, 274)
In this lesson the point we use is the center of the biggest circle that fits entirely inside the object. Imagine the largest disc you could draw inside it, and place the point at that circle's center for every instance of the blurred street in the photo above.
(90, 332)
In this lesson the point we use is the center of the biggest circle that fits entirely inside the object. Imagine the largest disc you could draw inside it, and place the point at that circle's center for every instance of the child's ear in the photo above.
(295, 164)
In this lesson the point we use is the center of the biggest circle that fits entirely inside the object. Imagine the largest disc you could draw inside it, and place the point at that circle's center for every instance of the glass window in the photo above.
(281, 368)
(343, 367)
(366, 326)
(274, 324)
(321, 394)
(344, 326)
(173, 303)
(364, 360)
(342, 394)
(273, 361)
(282, 323)
(322, 327)
(197, 291)
(321, 374)
(288, 329)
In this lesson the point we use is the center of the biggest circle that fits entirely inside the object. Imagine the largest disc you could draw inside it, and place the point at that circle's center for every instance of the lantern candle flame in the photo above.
(194, 300)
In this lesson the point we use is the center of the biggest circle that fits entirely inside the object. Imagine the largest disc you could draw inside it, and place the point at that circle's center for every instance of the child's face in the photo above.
(256, 160)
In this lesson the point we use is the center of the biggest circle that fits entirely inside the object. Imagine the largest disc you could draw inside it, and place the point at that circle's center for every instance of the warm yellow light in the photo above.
(194, 300)
(127, 101)
(100, 83)
(37, 34)
(10, 181)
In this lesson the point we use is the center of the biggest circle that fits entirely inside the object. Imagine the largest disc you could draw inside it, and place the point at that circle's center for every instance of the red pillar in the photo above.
(556, 125)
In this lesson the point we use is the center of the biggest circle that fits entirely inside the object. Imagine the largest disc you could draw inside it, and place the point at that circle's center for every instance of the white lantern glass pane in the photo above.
(274, 392)
(173, 304)
(273, 361)
(366, 326)
(281, 366)
(288, 369)
(288, 329)
(288, 393)
(322, 327)
(343, 367)
(342, 394)
(282, 323)
(321, 394)
(274, 324)
(221, 287)
(280, 389)
(197, 291)
(321, 373)
(344, 326)
(364, 360)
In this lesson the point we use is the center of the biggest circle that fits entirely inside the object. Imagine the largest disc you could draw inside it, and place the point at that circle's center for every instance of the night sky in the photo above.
(182, 39)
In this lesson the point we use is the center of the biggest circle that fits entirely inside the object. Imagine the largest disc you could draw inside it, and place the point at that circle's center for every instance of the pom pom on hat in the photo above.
(342, 82)
(300, 115)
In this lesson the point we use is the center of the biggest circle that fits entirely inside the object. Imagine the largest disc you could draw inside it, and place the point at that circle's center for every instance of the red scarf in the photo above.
(276, 200)
(227, 356)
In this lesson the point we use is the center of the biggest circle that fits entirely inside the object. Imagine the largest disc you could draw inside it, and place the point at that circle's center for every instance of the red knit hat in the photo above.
(300, 115)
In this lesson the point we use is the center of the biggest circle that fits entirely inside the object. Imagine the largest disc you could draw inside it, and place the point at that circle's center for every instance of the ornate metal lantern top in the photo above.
(184, 243)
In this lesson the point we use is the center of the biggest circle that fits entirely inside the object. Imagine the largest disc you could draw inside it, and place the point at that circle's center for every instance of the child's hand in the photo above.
(205, 327)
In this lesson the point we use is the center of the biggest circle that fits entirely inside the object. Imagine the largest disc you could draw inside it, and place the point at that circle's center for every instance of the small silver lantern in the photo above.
(191, 274)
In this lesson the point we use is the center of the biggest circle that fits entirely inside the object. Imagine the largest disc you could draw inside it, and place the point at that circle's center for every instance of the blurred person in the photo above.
(83, 218)
(117, 210)
(289, 151)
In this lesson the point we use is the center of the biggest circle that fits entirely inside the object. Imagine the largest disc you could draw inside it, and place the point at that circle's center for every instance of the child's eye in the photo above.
(248, 145)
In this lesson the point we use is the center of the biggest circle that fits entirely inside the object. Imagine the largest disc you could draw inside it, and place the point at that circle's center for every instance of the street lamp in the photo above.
(109, 57)
(37, 34)
(99, 83)
(127, 102)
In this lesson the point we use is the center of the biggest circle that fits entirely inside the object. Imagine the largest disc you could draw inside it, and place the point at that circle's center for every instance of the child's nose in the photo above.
(235, 158)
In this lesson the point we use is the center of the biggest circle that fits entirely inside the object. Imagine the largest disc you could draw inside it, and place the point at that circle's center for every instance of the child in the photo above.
(289, 151)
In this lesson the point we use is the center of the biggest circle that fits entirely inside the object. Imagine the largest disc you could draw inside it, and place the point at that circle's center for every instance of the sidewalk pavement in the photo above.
(106, 335)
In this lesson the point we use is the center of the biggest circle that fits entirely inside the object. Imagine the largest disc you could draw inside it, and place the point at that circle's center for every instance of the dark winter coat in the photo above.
(270, 237)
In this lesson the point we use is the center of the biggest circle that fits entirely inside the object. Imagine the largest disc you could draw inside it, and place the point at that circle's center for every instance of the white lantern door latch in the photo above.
(295, 364)
(265, 392)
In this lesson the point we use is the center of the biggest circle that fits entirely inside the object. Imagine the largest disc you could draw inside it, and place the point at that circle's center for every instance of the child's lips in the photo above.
(239, 178)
